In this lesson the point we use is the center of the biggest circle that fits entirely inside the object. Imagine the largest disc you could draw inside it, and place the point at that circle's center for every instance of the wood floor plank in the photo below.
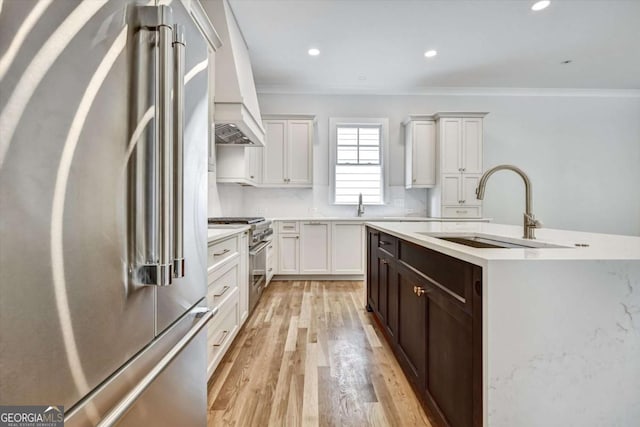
(310, 355)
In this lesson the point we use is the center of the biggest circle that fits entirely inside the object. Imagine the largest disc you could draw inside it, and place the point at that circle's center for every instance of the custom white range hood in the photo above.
(237, 113)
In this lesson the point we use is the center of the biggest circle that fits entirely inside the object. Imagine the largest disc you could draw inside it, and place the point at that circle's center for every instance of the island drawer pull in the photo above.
(224, 290)
(223, 336)
(221, 253)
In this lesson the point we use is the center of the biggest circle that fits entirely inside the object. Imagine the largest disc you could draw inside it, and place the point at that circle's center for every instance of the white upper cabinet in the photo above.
(459, 144)
(288, 155)
(240, 165)
(274, 156)
(451, 145)
(471, 145)
(420, 152)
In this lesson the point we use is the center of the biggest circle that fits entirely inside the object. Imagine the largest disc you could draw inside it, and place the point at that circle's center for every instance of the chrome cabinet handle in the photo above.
(221, 253)
(461, 212)
(130, 398)
(221, 339)
(224, 290)
(178, 150)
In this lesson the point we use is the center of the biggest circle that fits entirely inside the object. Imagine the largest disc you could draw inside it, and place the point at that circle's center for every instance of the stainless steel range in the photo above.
(260, 235)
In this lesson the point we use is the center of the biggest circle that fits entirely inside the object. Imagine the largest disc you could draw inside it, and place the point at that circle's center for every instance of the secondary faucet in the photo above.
(530, 221)
(360, 205)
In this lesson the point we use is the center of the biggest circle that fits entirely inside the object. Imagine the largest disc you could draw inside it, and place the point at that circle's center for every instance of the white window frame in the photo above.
(334, 122)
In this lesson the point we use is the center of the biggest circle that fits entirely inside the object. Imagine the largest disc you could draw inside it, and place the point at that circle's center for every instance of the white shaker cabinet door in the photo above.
(347, 248)
(315, 247)
(299, 152)
(472, 145)
(274, 153)
(288, 254)
(450, 145)
(451, 189)
(424, 154)
(469, 185)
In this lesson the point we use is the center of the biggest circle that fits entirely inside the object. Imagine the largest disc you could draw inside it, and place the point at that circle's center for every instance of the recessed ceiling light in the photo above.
(314, 52)
(539, 5)
(430, 53)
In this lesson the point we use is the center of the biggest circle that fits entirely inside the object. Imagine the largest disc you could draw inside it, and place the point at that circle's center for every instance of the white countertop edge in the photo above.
(217, 233)
(601, 246)
(378, 219)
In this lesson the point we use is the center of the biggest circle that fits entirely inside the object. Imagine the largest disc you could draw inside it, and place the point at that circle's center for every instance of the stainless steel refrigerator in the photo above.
(103, 181)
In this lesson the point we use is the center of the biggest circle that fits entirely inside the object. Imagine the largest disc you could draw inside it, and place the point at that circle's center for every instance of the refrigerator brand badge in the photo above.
(32, 416)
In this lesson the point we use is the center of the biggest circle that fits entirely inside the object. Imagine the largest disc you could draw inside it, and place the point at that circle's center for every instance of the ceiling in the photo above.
(377, 46)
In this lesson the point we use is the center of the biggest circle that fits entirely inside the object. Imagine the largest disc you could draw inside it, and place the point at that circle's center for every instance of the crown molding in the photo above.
(449, 91)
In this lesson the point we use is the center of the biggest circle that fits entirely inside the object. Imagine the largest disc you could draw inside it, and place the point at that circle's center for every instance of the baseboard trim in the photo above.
(298, 277)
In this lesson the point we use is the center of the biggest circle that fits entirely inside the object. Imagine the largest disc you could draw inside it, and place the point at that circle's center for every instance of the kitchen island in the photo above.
(513, 336)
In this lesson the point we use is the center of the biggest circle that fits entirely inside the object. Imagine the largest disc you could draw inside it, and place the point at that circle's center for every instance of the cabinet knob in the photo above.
(420, 291)
(384, 261)
(464, 169)
(459, 169)
(251, 176)
(414, 180)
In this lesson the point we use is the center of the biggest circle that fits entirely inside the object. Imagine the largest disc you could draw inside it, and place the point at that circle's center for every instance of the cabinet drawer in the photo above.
(388, 244)
(461, 211)
(221, 251)
(222, 284)
(221, 330)
(288, 227)
(450, 275)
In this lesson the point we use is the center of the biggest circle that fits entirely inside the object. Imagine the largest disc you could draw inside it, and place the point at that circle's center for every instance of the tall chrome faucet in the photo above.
(360, 205)
(530, 221)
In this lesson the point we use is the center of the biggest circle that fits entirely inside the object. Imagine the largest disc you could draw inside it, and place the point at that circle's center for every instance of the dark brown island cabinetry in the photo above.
(429, 306)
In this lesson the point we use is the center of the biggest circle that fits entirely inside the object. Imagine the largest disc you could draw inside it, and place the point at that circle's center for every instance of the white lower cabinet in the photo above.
(228, 291)
(320, 248)
(271, 261)
(347, 248)
(315, 247)
(289, 253)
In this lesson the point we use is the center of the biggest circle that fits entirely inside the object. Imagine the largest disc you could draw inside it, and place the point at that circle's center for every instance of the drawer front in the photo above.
(450, 275)
(461, 212)
(222, 284)
(388, 244)
(288, 227)
(222, 330)
(221, 251)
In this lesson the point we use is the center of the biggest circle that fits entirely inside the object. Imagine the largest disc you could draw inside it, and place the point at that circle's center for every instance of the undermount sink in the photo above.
(491, 242)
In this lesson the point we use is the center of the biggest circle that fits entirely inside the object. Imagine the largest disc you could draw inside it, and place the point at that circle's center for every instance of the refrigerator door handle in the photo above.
(165, 138)
(113, 416)
(178, 150)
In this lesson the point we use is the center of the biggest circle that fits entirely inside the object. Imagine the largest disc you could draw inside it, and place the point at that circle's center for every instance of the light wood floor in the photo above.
(311, 355)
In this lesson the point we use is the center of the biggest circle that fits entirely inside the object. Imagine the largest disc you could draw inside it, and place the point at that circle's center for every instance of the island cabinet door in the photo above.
(411, 333)
(449, 359)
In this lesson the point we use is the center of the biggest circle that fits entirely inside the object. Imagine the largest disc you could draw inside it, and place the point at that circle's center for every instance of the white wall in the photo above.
(581, 153)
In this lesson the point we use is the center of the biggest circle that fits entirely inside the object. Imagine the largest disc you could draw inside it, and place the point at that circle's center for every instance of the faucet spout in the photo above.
(530, 222)
(360, 205)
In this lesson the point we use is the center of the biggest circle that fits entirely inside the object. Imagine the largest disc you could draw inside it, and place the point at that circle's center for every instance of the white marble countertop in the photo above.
(378, 219)
(601, 246)
(222, 231)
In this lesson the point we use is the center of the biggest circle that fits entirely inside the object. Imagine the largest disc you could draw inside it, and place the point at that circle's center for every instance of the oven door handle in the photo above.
(258, 249)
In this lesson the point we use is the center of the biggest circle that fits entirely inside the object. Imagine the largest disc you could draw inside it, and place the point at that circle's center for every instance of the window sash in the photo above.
(359, 146)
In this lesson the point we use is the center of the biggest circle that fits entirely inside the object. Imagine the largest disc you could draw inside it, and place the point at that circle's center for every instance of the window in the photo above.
(358, 161)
